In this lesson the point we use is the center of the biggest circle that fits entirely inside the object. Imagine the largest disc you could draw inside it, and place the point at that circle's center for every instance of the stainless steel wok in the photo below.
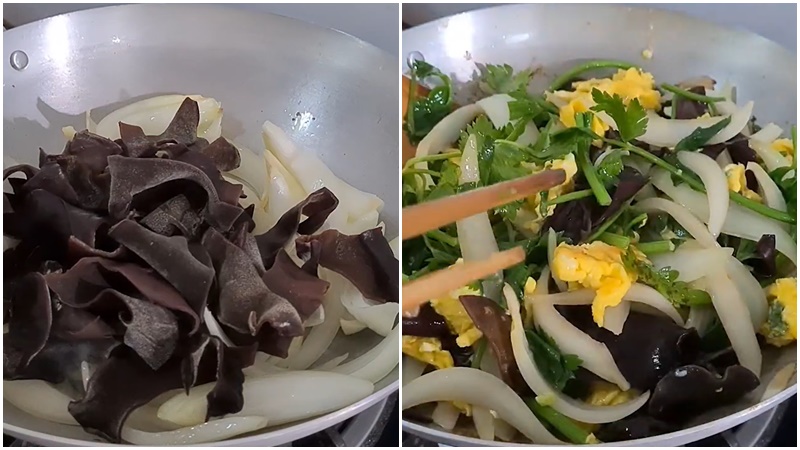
(555, 37)
(260, 67)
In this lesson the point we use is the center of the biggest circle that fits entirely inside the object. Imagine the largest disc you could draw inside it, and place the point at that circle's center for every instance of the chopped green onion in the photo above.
(428, 158)
(639, 220)
(576, 195)
(656, 247)
(590, 172)
(566, 426)
(585, 67)
(691, 95)
(605, 226)
(617, 240)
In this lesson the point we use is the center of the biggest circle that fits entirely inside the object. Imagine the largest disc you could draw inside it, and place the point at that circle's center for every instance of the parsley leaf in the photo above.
(665, 281)
(425, 112)
(701, 136)
(631, 120)
(497, 79)
(556, 367)
(610, 167)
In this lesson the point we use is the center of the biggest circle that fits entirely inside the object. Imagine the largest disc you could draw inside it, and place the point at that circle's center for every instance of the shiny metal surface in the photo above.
(552, 38)
(335, 95)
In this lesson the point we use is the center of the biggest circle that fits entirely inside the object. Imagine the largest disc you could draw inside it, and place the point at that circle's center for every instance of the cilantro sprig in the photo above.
(556, 367)
(665, 281)
(426, 111)
(631, 120)
(501, 79)
(700, 136)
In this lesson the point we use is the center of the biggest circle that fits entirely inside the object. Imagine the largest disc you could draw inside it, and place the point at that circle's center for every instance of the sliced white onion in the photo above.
(716, 186)
(615, 316)
(735, 319)
(351, 326)
(293, 395)
(681, 215)
(724, 159)
(332, 363)
(780, 381)
(317, 317)
(700, 318)
(751, 293)
(284, 189)
(379, 318)
(663, 132)
(445, 415)
(692, 263)
(39, 399)
(154, 115)
(739, 222)
(253, 171)
(772, 158)
(552, 243)
(395, 246)
(727, 108)
(767, 188)
(445, 133)
(478, 388)
(529, 136)
(767, 133)
(503, 430)
(412, 369)
(574, 409)
(496, 109)
(211, 431)
(378, 362)
(484, 423)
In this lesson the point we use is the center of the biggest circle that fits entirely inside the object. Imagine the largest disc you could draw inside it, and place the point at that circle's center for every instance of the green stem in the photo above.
(673, 111)
(691, 95)
(428, 158)
(576, 195)
(656, 247)
(585, 67)
(566, 426)
(422, 172)
(641, 218)
(590, 173)
(476, 360)
(617, 240)
(605, 226)
(443, 237)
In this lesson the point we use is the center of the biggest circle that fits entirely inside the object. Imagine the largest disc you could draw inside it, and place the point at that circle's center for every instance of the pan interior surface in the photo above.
(552, 38)
(333, 94)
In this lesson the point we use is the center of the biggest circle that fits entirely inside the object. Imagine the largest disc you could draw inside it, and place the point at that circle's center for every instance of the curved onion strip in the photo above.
(767, 188)
(379, 318)
(478, 388)
(615, 317)
(378, 362)
(571, 340)
(316, 318)
(260, 215)
(332, 363)
(681, 215)
(552, 243)
(444, 133)
(663, 132)
(692, 263)
(733, 315)
(412, 369)
(767, 133)
(716, 187)
(39, 399)
(771, 157)
(253, 170)
(700, 317)
(292, 395)
(724, 159)
(395, 245)
(780, 381)
(445, 415)
(320, 337)
(503, 430)
(727, 108)
(211, 431)
(351, 326)
(740, 222)
(484, 423)
(284, 189)
(529, 136)
(496, 109)
(750, 290)
(574, 409)
(154, 115)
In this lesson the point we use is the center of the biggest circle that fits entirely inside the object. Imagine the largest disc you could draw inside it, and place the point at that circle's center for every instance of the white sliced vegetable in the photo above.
(734, 316)
(683, 216)
(552, 243)
(692, 263)
(716, 185)
(572, 408)
(253, 170)
(280, 398)
(615, 317)
(379, 318)
(361, 224)
(767, 188)
(284, 189)
(69, 132)
(473, 386)
(395, 246)
(39, 399)
(724, 159)
(445, 415)
(214, 328)
(484, 423)
(412, 369)
(780, 381)
(768, 133)
(332, 363)
(260, 216)
(529, 136)
(91, 125)
(663, 132)
(700, 318)
(750, 290)
(503, 430)
(740, 222)
(772, 158)
(154, 115)
(638, 293)
(351, 326)
(496, 109)
(378, 362)
(211, 431)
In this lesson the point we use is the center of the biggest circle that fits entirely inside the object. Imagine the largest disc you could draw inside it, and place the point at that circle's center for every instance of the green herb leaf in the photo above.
(497, 79)
(610, 167)
(631, 120)
(665, 281)
(556, 367)
(776, 325)
(425, 112)
(701, 136)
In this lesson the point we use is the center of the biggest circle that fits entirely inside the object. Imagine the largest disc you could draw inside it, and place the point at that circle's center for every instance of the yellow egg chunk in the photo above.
(567, 115)
(456, 316)
(781, 326)
(427, 350)
(602, 393)
(597, 266)
(784, 147)
(737, 181)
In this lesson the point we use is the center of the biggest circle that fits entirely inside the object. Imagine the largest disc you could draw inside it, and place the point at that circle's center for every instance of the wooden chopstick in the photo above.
(419, 219)
(442, 282)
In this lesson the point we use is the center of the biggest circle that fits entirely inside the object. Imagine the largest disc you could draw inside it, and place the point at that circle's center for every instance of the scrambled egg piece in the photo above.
(781, 326)
(533, 221)
(427, 350)
(597, 266)
(628, 84)
(737, 182)
(607, 394)
(456, 316)
(784, 147)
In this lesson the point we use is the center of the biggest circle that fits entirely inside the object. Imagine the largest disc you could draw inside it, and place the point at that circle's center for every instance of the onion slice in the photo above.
(478, 388)
(780, 381)
(767, 188)
(484, 423)
(771, 157)
(445, 415)
(574, 409)
(692, 263)
(663, 132)
(768, 133)
(716, 187)
(444, 133)
(211, 431)
(615, 317)
(700, 317)
(412, 369)
(39, 399)
(681, 215)
(378, 362)
(496, 109)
